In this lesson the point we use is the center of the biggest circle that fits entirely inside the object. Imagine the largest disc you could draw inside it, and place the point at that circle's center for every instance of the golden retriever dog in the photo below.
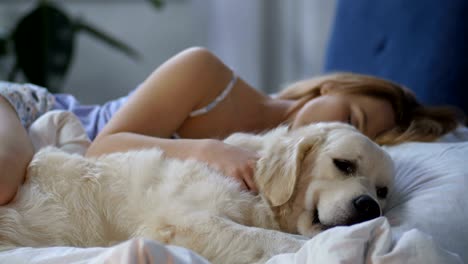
(310, 179)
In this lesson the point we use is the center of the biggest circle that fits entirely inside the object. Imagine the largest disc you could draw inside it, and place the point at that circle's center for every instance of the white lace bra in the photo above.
(213, 103)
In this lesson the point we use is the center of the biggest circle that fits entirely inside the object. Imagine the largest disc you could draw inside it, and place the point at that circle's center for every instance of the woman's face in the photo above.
(370, 115)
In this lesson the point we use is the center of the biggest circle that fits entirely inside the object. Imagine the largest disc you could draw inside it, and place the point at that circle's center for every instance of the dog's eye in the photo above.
(346, 166)
(382, 192)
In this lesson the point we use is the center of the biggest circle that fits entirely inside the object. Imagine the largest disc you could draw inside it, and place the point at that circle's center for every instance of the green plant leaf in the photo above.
(5, 41)
(157, 3)
(80, 25)
(3, 46)
(43, 43)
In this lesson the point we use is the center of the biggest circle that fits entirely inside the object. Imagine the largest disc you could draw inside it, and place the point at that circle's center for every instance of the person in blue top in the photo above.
(195, 98)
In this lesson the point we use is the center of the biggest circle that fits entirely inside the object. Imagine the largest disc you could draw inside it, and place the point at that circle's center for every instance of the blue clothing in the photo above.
(93, 117)
(29, 101)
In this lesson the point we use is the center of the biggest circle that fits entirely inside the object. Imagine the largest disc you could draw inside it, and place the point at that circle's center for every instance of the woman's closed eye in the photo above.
(355, 117)
(351, 120)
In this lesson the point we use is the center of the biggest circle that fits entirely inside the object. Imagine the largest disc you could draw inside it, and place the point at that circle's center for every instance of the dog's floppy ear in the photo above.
(279, 168)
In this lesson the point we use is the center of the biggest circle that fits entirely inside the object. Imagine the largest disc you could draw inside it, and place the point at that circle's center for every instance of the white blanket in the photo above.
(369, 242)
(134, 251)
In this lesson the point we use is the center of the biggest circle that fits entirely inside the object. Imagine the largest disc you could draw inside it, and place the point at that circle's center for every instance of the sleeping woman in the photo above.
(193, 100)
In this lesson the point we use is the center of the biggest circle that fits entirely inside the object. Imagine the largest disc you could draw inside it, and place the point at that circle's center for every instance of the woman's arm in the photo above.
(161, 105)
(16, 151)
(230, 160)
(164, 100)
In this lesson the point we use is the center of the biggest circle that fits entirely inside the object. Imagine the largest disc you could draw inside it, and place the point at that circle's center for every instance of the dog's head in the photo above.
(323, 175)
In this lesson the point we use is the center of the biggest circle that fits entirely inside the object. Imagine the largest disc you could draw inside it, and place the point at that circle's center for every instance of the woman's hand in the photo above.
(230, 160)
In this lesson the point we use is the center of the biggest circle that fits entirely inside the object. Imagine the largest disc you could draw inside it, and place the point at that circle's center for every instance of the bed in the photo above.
(425, 221)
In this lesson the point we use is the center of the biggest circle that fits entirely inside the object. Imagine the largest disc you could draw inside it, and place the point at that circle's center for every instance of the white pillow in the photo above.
(431, 193)
(458, 135)
(59, 128)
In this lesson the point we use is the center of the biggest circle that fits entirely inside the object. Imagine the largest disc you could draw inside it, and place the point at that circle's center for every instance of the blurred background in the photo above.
(268, 42)
(422, 44)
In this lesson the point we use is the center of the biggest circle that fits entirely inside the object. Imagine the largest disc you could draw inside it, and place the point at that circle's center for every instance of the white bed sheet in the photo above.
(369, 242)
(138, 251)
(426, 222)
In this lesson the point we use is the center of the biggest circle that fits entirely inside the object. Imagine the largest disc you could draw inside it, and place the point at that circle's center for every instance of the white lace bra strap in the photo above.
(218, 99)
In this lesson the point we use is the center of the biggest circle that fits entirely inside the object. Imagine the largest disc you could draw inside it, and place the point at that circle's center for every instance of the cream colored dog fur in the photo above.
(309, 179)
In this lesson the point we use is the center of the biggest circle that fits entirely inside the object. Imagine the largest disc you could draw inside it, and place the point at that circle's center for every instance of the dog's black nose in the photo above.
(366, 208)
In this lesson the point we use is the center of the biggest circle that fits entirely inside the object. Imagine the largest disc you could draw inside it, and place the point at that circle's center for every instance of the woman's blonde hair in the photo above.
(414, 121)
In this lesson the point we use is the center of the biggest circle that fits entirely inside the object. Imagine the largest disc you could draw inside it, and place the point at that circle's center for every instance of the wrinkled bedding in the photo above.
(369, 242)
(132, 251)
(425, 221)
